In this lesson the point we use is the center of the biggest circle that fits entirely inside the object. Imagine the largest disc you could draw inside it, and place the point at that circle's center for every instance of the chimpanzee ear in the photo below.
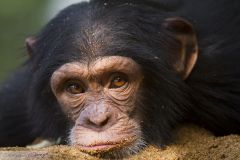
(30, 45)
(183, 31)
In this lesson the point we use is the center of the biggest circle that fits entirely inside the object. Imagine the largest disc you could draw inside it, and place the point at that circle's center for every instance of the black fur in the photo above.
(210, 97)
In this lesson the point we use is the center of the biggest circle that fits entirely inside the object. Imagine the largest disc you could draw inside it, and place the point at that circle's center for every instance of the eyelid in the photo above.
(115, 75)
(62, 84)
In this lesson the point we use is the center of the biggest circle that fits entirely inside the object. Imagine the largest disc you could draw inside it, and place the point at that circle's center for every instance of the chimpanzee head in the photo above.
(111, 75)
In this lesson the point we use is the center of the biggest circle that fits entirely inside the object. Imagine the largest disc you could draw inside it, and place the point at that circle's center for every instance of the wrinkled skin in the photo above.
(101, 114)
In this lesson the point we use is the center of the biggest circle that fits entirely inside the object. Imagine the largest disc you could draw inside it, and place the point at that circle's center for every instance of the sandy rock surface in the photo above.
(192, 143)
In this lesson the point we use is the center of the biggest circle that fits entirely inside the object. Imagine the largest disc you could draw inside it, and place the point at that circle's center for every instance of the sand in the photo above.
(192, 143)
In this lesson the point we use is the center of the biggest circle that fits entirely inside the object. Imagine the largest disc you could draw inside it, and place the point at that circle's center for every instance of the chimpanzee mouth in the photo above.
(102, 147)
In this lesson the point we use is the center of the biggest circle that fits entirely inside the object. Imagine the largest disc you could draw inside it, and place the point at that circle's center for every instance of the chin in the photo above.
(107, 145)
(113, 150)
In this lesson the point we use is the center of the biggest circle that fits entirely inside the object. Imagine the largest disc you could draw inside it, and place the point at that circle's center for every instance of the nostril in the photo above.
(104, 122)
(89, 122)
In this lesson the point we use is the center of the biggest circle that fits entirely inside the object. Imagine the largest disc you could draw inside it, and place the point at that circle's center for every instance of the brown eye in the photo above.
(118, 82)
(74, 87)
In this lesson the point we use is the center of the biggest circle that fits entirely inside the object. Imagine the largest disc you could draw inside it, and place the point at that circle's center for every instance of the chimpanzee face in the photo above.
(100, 98)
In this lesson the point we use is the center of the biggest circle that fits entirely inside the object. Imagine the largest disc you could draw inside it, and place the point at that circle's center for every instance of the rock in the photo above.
(192, 143)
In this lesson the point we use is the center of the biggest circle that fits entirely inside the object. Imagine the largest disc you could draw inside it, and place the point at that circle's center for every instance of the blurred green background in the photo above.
(18, 20)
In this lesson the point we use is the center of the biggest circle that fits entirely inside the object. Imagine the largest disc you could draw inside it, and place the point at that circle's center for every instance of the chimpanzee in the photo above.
(111, 76)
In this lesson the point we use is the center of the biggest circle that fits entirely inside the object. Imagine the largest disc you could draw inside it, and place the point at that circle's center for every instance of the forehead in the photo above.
(99, 39)
(105, 32)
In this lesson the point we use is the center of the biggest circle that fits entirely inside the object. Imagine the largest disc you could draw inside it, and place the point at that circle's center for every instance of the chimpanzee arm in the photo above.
(15, 127)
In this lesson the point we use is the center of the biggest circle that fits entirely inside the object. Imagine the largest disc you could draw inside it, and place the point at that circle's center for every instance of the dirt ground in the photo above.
(192, 143)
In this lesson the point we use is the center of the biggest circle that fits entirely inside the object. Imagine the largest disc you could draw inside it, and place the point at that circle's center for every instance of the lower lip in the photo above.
(99, 148)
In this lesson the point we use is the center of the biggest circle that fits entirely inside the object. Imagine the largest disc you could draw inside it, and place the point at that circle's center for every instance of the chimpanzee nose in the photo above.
(98, 121)
(97, 118)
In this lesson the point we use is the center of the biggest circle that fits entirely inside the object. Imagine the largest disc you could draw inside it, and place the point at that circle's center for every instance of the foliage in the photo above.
(18, 19)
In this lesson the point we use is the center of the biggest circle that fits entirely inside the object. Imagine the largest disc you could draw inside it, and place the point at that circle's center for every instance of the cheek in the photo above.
(71, 105)
(124, 99)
